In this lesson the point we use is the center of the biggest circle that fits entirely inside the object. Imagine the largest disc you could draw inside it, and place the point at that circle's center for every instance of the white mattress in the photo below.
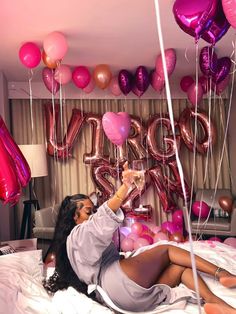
(21, 290)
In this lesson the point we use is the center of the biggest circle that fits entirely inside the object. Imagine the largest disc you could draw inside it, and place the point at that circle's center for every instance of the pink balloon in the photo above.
(229, 7)
(186, 82)
(231, 242)
(140, 242)
(81, 76)
(115, 87)
(116, 126)
(160, 236)
(157, 82)
(156, 229)
(63, 74)
(90, 87)
(137, 228)
(127, 245)
(195, 93)
(170, 227)
(147, 237)
(200, 209)
(215, 239)
(133, 236)
(30, 55)
(55, 45)
(49, 81)
(177, 217)
(170, 57)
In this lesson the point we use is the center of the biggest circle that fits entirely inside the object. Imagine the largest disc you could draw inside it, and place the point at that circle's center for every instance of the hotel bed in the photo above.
(21, 289)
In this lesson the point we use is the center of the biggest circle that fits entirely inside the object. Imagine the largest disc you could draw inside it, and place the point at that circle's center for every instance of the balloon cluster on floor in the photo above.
(56, 73)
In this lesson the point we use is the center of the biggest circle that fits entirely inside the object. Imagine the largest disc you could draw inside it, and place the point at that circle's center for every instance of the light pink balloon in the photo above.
(30, 55)
(63, 74)
(116, 126)
(127, 245)
(231, 242)
(156, 229)
(55, 45)
(157, 82)
(170, 57)
(160, 236)
(193, 91)
(114, 86)
(229, 7)
(137, 228)
(81, 76)
(133, 236)
(90, 87)
(186, 82)
(140, 242)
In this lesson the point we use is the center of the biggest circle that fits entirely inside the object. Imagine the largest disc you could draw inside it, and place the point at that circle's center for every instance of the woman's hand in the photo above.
(130, 177)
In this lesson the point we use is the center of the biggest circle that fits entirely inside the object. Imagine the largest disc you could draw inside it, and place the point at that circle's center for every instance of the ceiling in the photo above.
(120, 33)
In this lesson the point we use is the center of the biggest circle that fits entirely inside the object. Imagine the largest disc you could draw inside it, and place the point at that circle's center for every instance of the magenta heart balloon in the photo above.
(223, 68)
(218, 27)
(116, 126)
(208, 61)
(49, 81)
(195, 16)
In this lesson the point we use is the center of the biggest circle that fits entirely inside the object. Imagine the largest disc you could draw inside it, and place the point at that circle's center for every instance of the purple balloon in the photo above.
(125, 79)
(195, 16)
(223, 68)
(218, 28)
(49, 80)
(141, 79)
(208, 61)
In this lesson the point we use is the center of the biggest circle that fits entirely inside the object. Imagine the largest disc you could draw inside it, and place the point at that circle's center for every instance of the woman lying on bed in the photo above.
(85, 254)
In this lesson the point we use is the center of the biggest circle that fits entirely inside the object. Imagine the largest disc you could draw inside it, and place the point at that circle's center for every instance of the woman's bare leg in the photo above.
(146, 268)
(213, 308)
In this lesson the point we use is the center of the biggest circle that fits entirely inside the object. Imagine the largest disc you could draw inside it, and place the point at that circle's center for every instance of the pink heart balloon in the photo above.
(49, 81)
(116, 126)
(170, 57)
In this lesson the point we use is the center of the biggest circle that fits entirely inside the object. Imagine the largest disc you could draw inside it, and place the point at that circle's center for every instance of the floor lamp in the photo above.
(36, 158)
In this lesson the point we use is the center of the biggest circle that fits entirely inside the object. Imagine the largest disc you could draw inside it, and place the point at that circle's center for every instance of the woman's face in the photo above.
(83, 211)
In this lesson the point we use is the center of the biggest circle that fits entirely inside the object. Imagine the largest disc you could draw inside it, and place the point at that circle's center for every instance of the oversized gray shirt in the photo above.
(89, 245)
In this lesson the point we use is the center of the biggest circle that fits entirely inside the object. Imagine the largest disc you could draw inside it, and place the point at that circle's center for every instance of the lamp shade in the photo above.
(36, 158)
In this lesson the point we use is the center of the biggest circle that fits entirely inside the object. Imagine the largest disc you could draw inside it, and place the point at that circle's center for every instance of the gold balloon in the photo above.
(51, 64)
(226, 203)
(102, 75)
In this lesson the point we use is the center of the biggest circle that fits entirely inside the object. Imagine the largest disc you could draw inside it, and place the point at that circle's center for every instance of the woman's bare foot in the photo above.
(213, 308)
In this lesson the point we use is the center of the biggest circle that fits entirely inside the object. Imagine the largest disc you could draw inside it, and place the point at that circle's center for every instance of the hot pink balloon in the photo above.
(170, 227)
(49, 81)
(177, 217)
(116, 126)
(186, 82)
(220, 87)
(147, 237)
(90, 87)
(200, 209)
(170, 57)
(63, 74)
(195, 93)
(114, 86)
(217, 239)
(231, 242)
(55, 45)
(229, 7)
(140, 242)
(160, 236)
(81, 76)
(137, 228)
(127, 245)
(30, 55)
(157, 82)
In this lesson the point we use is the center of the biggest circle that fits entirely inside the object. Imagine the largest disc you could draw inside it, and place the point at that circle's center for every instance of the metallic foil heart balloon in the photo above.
(141, 78)
(125, 80)
(223, 69)
(208, 61)
(195, 16)
(49, 81)
(116, 126)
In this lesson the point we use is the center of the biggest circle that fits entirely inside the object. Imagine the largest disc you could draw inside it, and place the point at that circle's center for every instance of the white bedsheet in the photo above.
(21, 290)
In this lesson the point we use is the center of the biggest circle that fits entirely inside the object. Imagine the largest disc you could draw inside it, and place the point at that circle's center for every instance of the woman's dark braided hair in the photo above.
(64, 276)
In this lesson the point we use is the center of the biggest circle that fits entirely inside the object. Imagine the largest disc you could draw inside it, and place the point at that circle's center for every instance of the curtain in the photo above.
(72, 176)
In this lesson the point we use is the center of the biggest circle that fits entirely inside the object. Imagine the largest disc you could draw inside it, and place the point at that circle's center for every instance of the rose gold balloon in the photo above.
(51, 64)
(136, 139)
(226, 203)
(62, 150)
(186, 131)
(102, 75)
(96, 156)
